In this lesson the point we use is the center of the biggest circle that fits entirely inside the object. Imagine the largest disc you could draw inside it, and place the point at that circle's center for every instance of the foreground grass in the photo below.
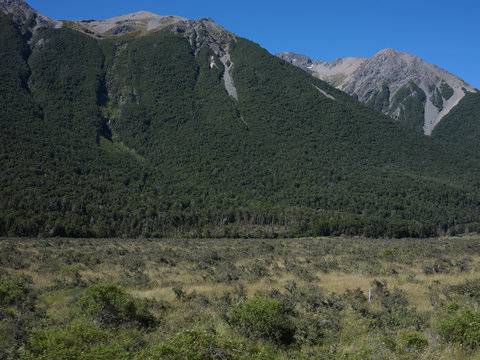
(240, 299)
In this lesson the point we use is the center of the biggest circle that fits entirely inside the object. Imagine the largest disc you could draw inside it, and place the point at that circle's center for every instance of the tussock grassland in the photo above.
(240, 299)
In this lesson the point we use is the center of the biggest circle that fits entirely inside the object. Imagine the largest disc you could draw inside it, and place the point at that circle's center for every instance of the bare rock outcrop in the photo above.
(28, 19)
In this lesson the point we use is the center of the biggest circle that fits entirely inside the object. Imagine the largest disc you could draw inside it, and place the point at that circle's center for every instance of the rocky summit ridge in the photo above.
(206, 31)
(29, 19)
(397, 83)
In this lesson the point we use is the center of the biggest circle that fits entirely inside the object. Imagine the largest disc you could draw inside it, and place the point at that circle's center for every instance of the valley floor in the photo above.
(240, 299)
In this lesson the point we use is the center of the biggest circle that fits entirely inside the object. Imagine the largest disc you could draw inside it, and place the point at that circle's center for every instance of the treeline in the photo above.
(233, 224)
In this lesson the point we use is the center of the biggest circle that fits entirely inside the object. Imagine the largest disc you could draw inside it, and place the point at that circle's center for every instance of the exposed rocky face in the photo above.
(334, 72)
(139, 21)
(200, 32)
(29, 19)
(399, 84)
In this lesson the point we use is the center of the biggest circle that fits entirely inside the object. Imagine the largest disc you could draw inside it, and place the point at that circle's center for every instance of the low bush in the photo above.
(263, 317)
(110, 304)
(12, 291)
(410, 340)
(470, 288)
(77, 340)
(189, 344)
(461, 327)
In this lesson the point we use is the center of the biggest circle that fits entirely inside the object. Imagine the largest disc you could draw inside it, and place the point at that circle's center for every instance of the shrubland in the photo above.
(240, 298)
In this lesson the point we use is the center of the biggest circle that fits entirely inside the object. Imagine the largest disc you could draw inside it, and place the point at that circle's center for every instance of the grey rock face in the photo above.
(397, 83)
(299, 60)
(200, 32)
(334, 72)
(204, 32)
(26, 17)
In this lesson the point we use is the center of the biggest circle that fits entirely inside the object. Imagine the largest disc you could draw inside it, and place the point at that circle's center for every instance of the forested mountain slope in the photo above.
(189, 130)
(399, 84)
(462, 125)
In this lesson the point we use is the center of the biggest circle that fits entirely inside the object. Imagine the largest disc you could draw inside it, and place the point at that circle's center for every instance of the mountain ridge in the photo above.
(25, 16)
(384, 82)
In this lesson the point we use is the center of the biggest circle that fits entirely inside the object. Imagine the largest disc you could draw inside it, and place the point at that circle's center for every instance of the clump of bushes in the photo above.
(109, 304)
(461, 327)
(410, 340)
(189, 344)
(470, 288)
(12, 292)
(263, 317)
(79, 339)
(17, 312)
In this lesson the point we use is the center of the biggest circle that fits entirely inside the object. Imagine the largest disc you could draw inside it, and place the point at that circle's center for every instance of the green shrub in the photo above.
(187, 344)
(263, 317)
(12, 292)
(313, 329)
(394, 305)
(462, 328)
(77, 340)
(192, 344)
(411, 340)
(452, 307)
(110, 304)
(470, 288)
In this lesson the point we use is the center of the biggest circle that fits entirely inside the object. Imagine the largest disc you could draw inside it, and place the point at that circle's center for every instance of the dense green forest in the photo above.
(462, 124)
(136, 136)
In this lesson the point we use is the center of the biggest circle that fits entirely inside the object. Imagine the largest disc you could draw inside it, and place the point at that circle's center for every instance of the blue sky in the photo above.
(445, 33)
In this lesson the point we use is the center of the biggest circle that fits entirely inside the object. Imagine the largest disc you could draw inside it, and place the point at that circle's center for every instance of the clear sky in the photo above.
(445, 33)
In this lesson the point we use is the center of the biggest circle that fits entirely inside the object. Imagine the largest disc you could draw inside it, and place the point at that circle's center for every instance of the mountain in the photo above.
(399, 84)
(161, 126)
(26, 18)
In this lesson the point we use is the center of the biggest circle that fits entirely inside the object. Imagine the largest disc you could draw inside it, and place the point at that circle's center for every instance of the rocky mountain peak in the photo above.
(27, 18)
(397, 83)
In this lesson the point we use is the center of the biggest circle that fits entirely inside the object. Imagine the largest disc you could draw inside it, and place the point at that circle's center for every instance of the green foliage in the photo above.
(410, 340)
(381, 100)
(263, 317)
(436, 99)
(395, 311)
(17, 314)
(462, 328)
(446, 90)
(77, 340)
(191, 345)
(461, 126)
(205, 345)
(411, 100)
(111, 305)
(137, 136)
(470, 288)
(11, 292)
